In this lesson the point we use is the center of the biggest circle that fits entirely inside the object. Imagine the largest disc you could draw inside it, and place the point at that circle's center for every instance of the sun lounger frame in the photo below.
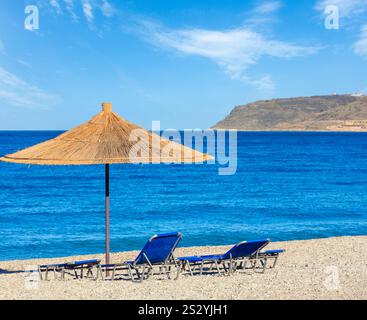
(133, 267)
(62, 269)
(219, 261)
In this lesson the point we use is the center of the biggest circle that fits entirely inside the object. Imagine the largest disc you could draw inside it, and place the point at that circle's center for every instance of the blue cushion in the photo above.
(110, 265)
(273, 252)
(212, 257)
(159, 248)
(60, 265)
(245, 249)
(191, 259)
(82, 262)
(240, 250)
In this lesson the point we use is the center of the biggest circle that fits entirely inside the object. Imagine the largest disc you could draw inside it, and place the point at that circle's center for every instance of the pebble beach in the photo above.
(330, 268)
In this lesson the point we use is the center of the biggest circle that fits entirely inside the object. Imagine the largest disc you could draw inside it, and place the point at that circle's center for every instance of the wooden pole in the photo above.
(107, 213)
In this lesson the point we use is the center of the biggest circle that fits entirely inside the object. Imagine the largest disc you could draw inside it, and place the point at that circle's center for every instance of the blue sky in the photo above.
(186, 63)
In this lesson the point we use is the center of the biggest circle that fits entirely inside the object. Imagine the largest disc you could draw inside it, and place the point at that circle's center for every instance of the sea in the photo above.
(287, 186)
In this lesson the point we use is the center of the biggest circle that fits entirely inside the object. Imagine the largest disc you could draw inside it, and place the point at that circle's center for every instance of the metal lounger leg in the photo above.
(160, 270)
(229, 268)
(137, 273)
(201, 268)
(142, 275)
(253, 263)
(235, 266)
(113, 273)
(98, 273)
(275, 261)
(178, 271)
(264, 265)
(89, 271)
(130, 272)
(168, 271)
(211, 267)
(244, 264)
(136, 269)
(40, 273)
(232, 266)
(189, 265)
(217, 266)
(224, 267)
(101, 272)
(149, 263)
(150, 272)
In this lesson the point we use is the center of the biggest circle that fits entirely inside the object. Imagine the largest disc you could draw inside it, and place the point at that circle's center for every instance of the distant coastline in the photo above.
(292, 130)
(216, 129)
(335, 113)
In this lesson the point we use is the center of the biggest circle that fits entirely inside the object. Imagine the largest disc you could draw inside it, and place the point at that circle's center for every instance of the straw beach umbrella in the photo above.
(106, 139)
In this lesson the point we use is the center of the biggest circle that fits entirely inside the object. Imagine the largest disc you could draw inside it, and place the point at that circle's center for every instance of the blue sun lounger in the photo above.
(241, 252)
(157, 252)
(43, 270)
(264, 256)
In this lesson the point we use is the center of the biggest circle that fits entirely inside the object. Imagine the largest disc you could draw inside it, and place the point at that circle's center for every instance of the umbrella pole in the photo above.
(107, 213)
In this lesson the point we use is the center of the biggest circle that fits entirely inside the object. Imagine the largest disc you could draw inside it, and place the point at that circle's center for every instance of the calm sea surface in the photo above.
(287, 186)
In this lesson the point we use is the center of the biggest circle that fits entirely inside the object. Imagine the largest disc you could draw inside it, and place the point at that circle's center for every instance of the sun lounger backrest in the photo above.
(159, 248)
(245, 249)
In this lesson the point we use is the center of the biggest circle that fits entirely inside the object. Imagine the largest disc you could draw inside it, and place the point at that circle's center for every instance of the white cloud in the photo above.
(107, 9)
(263, 15)
(347, 8)
(268, 7)
(233, 50)
(88, 10)
(18, 92)
(24, 63)
(360, 47)
(69, 3)
(55, 4)
(2, 47)
(70, 8)
(264, 83)
(354, 10)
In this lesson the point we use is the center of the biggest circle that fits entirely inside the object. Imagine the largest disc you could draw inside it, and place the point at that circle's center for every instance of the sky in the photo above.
(185, 63)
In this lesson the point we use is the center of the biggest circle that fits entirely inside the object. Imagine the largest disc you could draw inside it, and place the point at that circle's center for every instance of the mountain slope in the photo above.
(319, 113)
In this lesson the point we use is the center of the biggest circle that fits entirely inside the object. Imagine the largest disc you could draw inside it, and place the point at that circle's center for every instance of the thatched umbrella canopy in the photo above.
(106, 139)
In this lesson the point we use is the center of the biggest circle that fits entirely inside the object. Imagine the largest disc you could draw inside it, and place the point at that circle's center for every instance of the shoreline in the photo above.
(294, 131)
(132, 253)
(328, 268)
(215, 129)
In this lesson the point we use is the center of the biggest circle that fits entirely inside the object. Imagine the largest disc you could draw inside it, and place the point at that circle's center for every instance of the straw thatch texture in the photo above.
(106, 138)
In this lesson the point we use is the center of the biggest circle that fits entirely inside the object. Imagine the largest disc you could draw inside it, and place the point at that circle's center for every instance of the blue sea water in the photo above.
(287, 186)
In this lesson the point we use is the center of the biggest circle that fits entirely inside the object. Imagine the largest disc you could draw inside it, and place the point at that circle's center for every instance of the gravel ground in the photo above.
(333, 268)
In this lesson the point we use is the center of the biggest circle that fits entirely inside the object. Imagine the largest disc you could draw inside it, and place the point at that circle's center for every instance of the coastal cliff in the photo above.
(318, 113)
